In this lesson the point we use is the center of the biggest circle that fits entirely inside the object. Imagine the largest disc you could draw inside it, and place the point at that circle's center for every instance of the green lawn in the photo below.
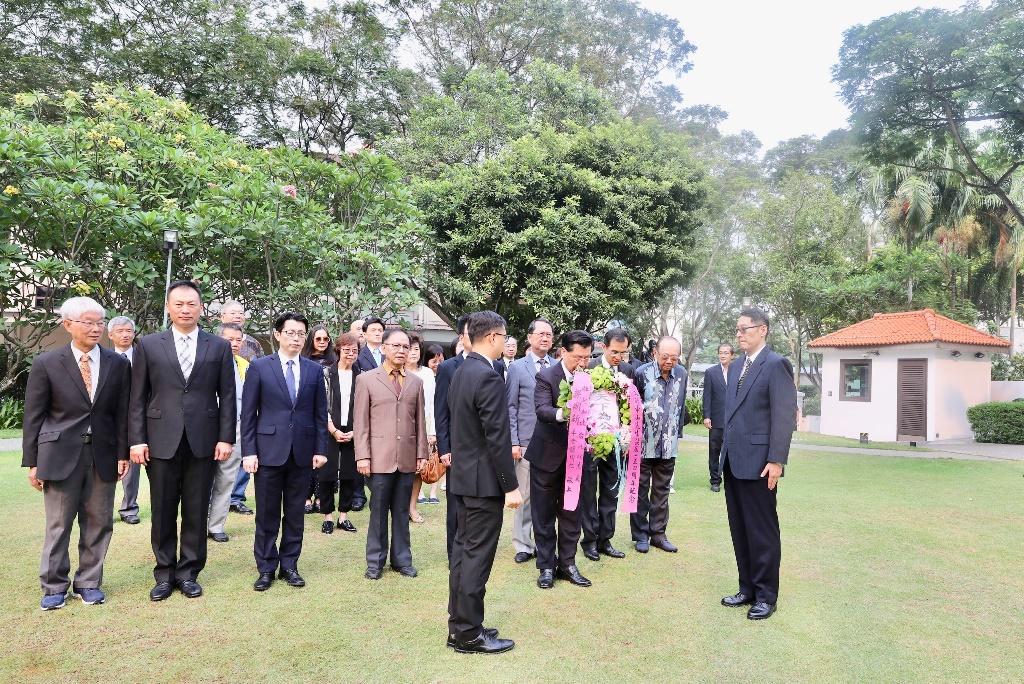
(10, 434)
(822, 440)
(893, 570)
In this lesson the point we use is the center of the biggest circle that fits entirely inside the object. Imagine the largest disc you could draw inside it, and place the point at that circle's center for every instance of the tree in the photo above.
(581, 227)
(951, 80)
(86, 199)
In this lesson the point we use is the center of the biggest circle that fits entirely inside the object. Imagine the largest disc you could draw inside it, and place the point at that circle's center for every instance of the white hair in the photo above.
(72, 309)
(231, 304)
(119, 320)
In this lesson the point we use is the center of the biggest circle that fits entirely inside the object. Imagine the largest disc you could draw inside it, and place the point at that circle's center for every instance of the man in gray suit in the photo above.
(181, 419)
(520, 382)
(121, 331)
(75, 445)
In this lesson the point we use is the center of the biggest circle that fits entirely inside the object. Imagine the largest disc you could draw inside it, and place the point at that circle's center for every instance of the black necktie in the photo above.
(743, 374)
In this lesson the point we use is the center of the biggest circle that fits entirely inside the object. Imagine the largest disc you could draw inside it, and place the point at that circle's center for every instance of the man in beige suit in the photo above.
(391, 447)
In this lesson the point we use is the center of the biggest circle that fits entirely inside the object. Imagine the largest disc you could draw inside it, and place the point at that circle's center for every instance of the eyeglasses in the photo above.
(294, 334)
(400, 347)
(90, 324)
(321, 339)
(742, 329)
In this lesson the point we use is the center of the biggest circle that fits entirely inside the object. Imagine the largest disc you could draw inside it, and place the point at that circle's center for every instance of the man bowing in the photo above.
(760, 417)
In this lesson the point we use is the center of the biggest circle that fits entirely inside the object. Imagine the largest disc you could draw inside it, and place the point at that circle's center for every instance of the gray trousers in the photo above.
(651, 518)
(130, 488)
(224, 476)
(390, 495)
(522, 519)
(87, 498)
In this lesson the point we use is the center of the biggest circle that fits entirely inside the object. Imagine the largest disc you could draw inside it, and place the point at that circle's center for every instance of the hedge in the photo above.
(1000, 422)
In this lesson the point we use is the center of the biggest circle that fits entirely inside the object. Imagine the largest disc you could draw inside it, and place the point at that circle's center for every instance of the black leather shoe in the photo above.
(572, 573)
(264, 581)
(358, 504)
(190, 588)
(218, 536)
(161, 591)
(590, 553)
(484, 644)
(489, 631)
(308, 508)
(546, 579)
(291, 577)
(642, 546)
(610, 551)
(242, 509)
(347, 526)
(373, 573)
(664, 545)
(405, 571)
(737, 600)
(716, 487)
(523, 556)
(130, 519)
(760, 611)
(327, 527)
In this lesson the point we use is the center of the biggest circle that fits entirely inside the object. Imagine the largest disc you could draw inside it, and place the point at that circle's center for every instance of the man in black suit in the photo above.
(547, 456)
(181, 419)
(483, 478)
(75, 445)
(442, 421)
(760, 417)
(599, 497)
(284, 437)
(713, 401)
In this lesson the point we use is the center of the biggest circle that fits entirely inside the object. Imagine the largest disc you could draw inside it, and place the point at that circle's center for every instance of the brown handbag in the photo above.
(434, 469)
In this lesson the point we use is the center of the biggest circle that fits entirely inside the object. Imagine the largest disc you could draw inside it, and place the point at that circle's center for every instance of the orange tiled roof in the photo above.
(908, 327)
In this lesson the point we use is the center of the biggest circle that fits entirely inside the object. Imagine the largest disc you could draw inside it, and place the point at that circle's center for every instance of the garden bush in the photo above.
(695, 410)
(1000, 422)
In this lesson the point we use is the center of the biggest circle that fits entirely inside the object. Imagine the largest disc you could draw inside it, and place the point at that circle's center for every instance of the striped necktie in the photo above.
(743, 374)
(183, 356)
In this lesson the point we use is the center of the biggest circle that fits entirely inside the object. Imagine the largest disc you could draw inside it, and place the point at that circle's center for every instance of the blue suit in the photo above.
(285, 435)
(713, 402)
(760, 418)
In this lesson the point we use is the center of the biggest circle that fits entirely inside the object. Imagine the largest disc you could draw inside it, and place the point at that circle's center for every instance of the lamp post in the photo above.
(170, 242)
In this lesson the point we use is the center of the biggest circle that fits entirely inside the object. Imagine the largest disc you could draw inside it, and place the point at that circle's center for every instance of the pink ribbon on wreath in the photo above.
(579, 412)
(636, 438)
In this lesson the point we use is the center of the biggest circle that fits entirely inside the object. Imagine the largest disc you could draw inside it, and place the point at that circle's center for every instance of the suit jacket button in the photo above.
(289, 426)
(186, 390)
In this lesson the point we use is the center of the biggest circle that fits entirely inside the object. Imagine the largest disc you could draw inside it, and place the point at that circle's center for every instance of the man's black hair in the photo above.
(290, 316)
(482, 323)
(575, 338)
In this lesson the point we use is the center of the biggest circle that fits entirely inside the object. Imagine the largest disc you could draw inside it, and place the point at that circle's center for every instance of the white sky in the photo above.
(768, 62)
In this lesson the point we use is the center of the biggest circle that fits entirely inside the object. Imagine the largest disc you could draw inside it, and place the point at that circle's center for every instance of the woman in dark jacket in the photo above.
(339, 473)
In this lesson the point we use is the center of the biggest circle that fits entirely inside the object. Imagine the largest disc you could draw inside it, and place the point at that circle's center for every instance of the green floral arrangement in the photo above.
(604, 430)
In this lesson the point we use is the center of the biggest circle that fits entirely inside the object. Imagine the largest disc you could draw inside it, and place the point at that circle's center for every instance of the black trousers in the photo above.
(756, 541)
(389, 497)
(479, 527)
(651, 518)
(359, 492)
(346, 488)
(280, 501)
(453, 504)
(547, 494)
(715, 438)
(599, 499)
(183, 481)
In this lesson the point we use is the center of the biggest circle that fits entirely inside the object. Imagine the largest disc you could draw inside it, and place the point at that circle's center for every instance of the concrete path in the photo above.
(10, 444)
(960, 449)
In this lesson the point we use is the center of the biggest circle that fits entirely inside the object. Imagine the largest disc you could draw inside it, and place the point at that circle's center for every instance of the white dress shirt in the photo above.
(94, 365)
(345, 396)
(295, 369)
(193, 339)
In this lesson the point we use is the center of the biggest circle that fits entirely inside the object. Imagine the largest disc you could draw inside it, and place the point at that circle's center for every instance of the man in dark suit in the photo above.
(599, 497)
(547, 456)
(483, 478)
(181, 419)
(75, 445)
(284, 437)
(760, 417)
(442, 421)
(713, 400)
(371, 355)
(121, 331)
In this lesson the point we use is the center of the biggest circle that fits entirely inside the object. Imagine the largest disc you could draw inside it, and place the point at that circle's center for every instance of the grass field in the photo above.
(894, 570)
(10, 434)
(814, 439)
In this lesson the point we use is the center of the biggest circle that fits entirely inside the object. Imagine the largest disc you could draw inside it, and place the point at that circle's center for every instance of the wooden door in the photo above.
(912, 400)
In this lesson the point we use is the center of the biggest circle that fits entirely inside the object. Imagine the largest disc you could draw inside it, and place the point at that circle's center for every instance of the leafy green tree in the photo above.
(89, 188)
(581, 227)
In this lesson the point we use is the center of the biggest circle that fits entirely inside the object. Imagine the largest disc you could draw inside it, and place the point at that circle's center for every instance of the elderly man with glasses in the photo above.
(121, 331)
(662, 386)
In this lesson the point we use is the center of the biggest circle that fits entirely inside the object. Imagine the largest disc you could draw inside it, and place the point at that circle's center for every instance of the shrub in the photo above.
(1008, 367)
(695, 410)
(812, 405)
(12, 413)
(1000, 422)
